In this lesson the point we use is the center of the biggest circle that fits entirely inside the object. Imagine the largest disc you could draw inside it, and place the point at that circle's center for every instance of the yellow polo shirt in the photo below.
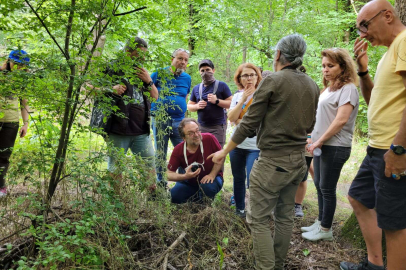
(9, 109)
(388, 97)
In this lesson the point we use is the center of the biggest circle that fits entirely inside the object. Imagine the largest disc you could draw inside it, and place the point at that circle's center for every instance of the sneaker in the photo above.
(352, 266)
(299, 211)
(3, 192)
(318, 234)
(232, 200)
(240, 213)
(311, 227)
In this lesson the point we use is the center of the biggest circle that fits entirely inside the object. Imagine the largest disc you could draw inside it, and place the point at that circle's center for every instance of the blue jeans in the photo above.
(140, 144)
(183, 191)
(327, 169)
(170, 129)
(241, 165)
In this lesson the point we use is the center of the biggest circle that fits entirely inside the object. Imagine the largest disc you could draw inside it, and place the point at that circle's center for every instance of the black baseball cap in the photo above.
(206, 62)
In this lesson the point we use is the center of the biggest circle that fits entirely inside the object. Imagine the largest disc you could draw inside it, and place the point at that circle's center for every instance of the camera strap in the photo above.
(184, 152)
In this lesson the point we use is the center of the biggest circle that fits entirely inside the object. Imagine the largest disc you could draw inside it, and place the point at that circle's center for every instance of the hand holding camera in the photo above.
(193, 170)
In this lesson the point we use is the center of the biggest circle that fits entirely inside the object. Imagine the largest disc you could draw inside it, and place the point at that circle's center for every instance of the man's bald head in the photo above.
(375, 6)
(379, 23)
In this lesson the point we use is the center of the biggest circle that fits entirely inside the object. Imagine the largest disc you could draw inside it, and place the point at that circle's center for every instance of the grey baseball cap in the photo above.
(206, 62)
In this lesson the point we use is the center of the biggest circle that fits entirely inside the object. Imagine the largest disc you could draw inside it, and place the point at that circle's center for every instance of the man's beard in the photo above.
(195, 142)
(179, 71)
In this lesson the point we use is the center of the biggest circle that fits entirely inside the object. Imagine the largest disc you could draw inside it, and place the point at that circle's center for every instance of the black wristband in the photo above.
(362, 74)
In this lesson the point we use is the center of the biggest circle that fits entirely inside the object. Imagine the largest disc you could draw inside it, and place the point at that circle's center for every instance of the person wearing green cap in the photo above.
(10, 101)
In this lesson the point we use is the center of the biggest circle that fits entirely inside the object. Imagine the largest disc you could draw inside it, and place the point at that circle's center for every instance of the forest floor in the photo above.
(209, 225)
(213, 236)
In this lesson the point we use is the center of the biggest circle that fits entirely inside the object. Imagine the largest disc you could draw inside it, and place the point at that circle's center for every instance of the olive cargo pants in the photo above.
(273, 185)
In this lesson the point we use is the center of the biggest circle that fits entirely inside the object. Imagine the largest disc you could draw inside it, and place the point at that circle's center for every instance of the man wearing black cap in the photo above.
(210, 99)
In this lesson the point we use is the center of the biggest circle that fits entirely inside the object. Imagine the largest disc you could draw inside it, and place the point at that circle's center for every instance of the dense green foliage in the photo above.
(60, 149)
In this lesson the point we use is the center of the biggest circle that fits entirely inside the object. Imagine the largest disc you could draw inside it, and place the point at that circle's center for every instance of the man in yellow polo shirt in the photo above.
(378, 192)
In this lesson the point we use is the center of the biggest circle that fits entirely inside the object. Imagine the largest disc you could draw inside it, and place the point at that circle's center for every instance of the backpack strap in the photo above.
(216, 86)
(201, 91)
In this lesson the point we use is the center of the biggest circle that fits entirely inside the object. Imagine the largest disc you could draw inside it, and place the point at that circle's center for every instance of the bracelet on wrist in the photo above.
(362, 74)
(309, 137)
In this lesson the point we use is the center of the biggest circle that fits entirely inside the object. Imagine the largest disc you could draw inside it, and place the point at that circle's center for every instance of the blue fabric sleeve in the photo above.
(154, 77)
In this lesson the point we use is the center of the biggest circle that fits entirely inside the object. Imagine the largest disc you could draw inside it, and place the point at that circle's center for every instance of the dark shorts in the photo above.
(308, 162)
(374, 190)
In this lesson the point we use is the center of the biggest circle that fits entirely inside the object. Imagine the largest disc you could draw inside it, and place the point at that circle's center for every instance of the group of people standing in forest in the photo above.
(279, 122)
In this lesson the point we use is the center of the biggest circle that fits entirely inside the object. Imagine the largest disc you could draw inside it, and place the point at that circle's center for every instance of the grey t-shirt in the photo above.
(329, 102)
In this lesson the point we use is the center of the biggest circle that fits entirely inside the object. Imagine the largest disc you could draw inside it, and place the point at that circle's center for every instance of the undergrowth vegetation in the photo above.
(91, 226)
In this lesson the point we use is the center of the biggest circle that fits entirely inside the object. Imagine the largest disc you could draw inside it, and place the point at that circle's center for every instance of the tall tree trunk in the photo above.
(228, 58)
(244, 55)
(193, 20)
(400, 6)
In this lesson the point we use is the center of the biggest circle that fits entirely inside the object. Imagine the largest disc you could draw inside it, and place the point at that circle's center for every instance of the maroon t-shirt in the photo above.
(210, 146)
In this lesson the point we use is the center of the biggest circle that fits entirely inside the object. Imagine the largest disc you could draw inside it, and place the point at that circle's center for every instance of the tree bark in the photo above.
(228, 58)
(244, 55)
(400, 6)
(193, 20)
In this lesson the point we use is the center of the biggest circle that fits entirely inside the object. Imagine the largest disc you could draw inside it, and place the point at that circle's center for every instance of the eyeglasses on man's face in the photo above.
(246, 76)
(363, 26)
(193, 133)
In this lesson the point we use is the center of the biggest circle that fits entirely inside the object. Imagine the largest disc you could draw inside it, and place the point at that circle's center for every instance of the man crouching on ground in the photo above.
(197, 176)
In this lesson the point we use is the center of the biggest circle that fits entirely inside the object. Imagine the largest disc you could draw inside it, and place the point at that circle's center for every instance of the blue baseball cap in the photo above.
(18, 57)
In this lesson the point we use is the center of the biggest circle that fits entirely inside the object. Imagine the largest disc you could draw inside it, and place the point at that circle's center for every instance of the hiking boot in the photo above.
(318, 234)
(299, 211)
(3, 192)
(240, 213)
(311, 227)
(232, 200)
(361, 266)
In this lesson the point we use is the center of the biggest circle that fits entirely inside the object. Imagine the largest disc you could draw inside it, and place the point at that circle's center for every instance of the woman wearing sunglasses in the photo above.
(247, 78)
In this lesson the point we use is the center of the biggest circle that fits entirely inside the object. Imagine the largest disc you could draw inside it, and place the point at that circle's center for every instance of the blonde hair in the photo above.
(347, 65)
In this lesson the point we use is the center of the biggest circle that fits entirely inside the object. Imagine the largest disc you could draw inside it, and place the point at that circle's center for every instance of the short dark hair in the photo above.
(183, 123)
(137, 43)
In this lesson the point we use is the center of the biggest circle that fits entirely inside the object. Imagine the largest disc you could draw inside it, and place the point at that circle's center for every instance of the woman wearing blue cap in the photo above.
(9, 116)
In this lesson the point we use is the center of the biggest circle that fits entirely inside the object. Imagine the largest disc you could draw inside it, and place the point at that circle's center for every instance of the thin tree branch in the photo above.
(46, 28)
(267, 53)
(40, 5)
(352, 3)
(69, 28)
(129, 12)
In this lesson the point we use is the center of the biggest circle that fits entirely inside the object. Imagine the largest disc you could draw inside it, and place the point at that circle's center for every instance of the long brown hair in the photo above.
(237, 74)
(347, 65)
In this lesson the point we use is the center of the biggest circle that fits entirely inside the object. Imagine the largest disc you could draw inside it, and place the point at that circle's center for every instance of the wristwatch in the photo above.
(150, 84)
(398, 149)
(362, 74)
(217, 101)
